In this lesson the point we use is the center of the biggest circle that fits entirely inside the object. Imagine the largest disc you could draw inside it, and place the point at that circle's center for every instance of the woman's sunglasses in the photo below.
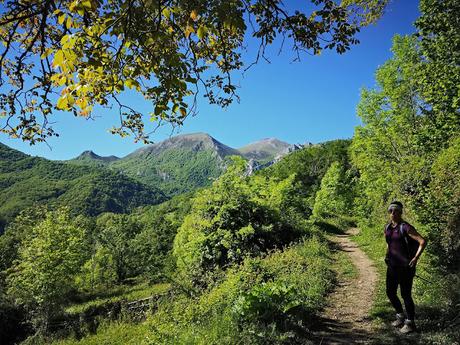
(393, 210)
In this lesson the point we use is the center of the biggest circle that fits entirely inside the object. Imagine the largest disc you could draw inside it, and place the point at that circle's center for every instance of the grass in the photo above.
(128, 293)
(210, 319)
(112, 333)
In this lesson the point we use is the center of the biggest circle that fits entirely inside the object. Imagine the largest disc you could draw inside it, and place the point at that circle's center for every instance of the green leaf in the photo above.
(201, 32)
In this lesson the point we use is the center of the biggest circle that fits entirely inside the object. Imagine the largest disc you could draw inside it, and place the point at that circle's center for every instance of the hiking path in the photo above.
(345, 319)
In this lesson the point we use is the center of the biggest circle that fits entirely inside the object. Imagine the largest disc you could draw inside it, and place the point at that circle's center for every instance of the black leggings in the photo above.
(404, 276)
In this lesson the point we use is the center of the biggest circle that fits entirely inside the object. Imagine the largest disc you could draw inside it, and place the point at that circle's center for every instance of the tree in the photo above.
(48, 260)
(333, 198)
(439, 73)
(116, 233)
(389, 149)
(413, 113)
(97, 273)
(90, 51)
(238, 216)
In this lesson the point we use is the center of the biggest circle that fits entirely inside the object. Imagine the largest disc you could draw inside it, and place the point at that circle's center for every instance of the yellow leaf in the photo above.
(188, 31)
(183, 111)
(62, 103)
(58, 58)
(132, 83)
(70, 100)
(61, 18)
(58, 79)
(69, 23)
(166, 13)
(46, 53)
(87, 4)
(82, 103)
(64, 39)
(194, 15)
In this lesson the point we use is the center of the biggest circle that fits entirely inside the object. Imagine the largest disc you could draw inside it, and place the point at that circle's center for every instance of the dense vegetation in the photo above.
(26, 181)
(195, 242)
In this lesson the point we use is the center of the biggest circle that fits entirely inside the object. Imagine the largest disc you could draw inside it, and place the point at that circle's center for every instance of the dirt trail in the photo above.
(345, 320)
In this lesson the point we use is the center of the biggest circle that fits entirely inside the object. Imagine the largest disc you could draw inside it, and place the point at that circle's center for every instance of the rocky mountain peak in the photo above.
(90, 155)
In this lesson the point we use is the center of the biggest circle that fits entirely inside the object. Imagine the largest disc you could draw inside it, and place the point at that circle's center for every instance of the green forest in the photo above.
(246, 259)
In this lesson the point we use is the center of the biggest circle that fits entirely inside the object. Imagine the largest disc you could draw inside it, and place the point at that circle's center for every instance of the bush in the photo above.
(233, 219)
(261, 300)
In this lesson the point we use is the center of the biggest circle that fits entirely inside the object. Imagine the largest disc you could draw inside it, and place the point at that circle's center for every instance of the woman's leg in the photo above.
(406, 280)
(392, 287)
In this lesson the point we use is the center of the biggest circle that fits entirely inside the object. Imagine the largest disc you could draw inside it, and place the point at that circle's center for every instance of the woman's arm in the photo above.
(422, 241)
(387, 254)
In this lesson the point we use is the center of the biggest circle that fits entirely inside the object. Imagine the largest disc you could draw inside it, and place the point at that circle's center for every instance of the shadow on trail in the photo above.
(429, 320)
(328, 331)
(330, 228)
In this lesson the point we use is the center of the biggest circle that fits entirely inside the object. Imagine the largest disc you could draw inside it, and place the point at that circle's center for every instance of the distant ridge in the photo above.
(178, 164)
(264, 150)
(187, 161)
(194, 141)
(90, 155)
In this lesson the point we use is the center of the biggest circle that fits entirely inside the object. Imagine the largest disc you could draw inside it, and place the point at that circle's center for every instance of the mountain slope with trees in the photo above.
(184, 162)
(26, 181)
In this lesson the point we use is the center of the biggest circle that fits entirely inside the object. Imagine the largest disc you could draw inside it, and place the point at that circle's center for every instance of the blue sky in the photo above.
(313, 100)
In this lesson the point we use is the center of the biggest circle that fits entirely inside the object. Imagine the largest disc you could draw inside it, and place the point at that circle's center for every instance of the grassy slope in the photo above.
(174, 171)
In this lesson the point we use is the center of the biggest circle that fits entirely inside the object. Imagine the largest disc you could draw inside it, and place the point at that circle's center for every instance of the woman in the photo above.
(405, 245)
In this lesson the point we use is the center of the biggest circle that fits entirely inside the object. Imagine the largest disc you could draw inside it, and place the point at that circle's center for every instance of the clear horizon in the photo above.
(309, 101)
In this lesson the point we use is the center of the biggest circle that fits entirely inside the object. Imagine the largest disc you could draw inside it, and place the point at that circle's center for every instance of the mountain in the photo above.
(26, 180)
(179, 164)
(91, 158)
(193, 141)
(188, 161)
(264, 150)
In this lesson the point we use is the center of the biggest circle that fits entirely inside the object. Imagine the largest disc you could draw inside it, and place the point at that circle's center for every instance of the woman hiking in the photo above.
(405, 245)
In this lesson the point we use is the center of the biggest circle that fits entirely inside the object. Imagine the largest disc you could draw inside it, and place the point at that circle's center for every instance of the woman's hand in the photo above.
(413, 262)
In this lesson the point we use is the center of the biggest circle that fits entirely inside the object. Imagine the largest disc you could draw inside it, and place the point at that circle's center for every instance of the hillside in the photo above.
(185, 162)
(264, 150)
(179, 164)
(26, 180)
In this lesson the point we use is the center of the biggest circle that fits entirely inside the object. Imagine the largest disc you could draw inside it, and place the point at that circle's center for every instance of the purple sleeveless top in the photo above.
(398, 254)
